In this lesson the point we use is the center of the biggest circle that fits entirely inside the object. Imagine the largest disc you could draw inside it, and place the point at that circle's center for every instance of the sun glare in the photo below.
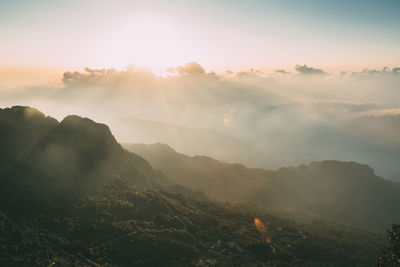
(148, 42)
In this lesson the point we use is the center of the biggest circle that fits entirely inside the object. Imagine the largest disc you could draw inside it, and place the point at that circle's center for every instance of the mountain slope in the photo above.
(77, 198)
(72, 157)
(191, 141)
(21, 128)
(346, 192)
(121, 225)
(89, 149)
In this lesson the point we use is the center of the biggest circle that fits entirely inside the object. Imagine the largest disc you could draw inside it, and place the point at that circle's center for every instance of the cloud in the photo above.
(191, 68)
(69, 78)
(386, 71)
(108, 77)
(282, 71)
(385, 112)
(304, 69)
(349, 107)
(294, 117)
(251, 74)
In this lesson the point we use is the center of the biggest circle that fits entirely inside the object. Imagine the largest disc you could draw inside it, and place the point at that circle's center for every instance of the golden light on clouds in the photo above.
(21, 76)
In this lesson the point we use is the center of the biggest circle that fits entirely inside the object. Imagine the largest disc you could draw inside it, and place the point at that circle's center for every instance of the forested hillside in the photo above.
(73, 196)
(344, 192)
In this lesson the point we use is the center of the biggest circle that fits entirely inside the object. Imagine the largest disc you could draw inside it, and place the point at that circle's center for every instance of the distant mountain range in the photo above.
(345, 192)
(70, 195)
(192, 141)
(284, 138)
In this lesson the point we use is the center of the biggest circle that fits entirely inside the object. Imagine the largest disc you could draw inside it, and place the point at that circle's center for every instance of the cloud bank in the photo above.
(304, 69)
(297, 117)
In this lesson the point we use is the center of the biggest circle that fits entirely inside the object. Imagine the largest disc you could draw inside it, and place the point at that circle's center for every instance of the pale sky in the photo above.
(219, 35)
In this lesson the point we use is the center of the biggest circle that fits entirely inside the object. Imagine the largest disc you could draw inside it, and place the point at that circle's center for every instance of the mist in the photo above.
(282, 118)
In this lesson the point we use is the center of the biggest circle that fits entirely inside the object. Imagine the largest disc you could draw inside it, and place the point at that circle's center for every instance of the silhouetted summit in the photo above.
(77, 146)
(59, 160)
(20, 129)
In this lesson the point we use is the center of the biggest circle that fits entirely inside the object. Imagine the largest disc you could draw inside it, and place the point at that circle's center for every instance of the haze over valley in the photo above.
(199, 133)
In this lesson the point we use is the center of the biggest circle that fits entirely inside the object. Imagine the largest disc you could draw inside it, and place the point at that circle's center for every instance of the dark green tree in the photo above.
(390, 256)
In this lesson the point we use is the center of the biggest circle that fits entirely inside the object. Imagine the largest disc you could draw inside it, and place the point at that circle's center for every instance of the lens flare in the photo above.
(260, 226)
(262, 229)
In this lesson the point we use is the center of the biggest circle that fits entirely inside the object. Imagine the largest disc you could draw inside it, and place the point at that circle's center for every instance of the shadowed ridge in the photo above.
(346, 192)
(79, 150)
(331, 165)
(21, 128)
(78, 198)
(74, 157)
(23, 111)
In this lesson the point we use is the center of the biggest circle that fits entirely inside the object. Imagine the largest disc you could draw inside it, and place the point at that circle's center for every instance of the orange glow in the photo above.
(13, 76)
(259, 225)
(268, 239)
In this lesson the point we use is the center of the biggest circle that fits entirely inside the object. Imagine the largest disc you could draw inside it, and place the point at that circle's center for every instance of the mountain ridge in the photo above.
(347, 192)
(73, 156)
(191, 141)
(76, 197)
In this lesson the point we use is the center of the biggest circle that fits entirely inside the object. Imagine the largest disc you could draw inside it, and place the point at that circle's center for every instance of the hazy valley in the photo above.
(199, 133)
(72, 195)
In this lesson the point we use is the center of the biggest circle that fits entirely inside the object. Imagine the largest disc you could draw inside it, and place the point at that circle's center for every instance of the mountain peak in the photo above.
(86, 123)
(21, 128)
(80, 141)
(88, 132)
(25, 111)
(348, 169)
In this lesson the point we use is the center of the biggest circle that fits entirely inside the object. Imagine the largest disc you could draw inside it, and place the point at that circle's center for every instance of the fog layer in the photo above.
(287, 117)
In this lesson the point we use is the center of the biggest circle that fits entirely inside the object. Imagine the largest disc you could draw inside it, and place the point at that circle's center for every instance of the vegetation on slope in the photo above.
(73, 196)
(122, 225)
(345, 192)
(390, 255)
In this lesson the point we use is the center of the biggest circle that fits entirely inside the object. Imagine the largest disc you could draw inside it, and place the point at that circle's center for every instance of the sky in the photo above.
(44, 35)
(308, 80)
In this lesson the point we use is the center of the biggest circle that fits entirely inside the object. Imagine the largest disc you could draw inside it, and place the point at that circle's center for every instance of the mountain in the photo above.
(58, 160)
(21, 128)
(72, 196)
(191, 141)
(302, 132)
(345, 192)
(121, 225)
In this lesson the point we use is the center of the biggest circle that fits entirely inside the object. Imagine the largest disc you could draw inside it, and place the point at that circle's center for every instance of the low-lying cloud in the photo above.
(297, 117)
(304, 69)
